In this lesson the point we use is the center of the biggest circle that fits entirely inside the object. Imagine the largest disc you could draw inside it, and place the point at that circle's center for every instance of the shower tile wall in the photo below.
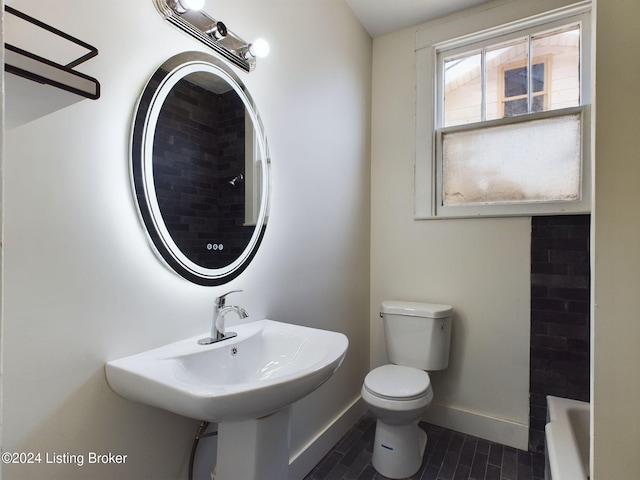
(560, 315)
(198, 148)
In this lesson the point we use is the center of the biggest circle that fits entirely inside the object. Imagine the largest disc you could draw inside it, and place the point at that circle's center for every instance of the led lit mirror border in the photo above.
(187, 16)
(141, 156)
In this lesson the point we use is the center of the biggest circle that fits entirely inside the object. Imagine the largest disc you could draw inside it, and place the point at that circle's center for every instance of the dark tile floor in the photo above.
(449, 456)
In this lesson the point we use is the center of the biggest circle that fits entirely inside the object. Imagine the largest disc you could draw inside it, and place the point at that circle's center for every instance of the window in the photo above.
(510, 130)
(513, 94)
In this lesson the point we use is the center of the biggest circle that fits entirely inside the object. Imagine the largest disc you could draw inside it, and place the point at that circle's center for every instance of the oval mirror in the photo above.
(200, 168)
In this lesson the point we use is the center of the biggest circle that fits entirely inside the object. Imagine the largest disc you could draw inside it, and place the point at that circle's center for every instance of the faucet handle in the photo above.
(220, 301)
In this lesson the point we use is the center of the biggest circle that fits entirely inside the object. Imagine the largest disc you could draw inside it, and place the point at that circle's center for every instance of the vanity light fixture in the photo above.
(187, 16)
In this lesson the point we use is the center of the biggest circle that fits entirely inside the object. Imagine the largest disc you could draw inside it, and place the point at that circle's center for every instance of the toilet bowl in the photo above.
(417, 337)
(398, 396)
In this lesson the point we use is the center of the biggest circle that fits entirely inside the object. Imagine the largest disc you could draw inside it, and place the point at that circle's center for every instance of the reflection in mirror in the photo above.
(200, 169)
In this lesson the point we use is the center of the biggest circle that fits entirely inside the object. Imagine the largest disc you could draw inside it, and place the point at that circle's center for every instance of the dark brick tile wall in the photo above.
(198, 148)
(560, 315)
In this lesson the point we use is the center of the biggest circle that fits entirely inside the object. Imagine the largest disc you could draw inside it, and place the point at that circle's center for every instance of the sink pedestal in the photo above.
(254, 449)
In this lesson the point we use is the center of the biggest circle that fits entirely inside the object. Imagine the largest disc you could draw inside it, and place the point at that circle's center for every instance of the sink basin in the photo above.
(266, 367)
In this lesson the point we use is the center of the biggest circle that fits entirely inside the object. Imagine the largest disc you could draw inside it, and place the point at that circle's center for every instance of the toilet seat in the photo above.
(397, 382)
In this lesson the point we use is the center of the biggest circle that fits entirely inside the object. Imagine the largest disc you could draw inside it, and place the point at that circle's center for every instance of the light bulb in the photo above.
(259, 48)
(192, 4)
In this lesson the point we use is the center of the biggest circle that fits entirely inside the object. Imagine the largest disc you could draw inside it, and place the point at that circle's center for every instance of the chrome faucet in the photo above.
(220, 310)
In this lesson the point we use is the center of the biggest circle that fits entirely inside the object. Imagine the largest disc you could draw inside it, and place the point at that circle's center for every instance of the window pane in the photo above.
(515, 107)
(532, 161)
(537, 104)
(463, 90)
(538, 80)
(561, 50)
(519, 106)
(506, 76)
(515, 82)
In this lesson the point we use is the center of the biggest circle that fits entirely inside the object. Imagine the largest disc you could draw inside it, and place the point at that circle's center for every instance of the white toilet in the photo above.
(418, 336)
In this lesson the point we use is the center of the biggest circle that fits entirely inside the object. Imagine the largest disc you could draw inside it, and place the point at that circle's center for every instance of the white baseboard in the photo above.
(480, 425)
(303, 461)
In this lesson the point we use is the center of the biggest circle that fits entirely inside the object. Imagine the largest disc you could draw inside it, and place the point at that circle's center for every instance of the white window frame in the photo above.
(491, 22)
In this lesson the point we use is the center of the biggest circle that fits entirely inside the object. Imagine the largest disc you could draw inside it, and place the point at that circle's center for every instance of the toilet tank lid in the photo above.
(416, 309)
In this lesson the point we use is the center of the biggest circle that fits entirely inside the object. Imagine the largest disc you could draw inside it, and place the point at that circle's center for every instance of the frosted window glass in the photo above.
(532, 161)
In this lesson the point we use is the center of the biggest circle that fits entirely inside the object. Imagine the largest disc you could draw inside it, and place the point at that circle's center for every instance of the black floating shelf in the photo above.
(33, 67)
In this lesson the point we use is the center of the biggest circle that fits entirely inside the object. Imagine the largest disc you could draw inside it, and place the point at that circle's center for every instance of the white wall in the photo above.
(479, 266)
(1, 216)
(81, 284)
(616, 267)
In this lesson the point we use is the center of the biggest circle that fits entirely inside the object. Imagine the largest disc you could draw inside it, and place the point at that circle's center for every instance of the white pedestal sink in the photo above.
(245, 384)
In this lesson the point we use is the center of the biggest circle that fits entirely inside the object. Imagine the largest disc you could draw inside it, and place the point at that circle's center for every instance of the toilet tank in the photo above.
(417, 334)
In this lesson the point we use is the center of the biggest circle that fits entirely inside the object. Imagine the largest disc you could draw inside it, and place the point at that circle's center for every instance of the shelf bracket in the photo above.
(39, 69)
